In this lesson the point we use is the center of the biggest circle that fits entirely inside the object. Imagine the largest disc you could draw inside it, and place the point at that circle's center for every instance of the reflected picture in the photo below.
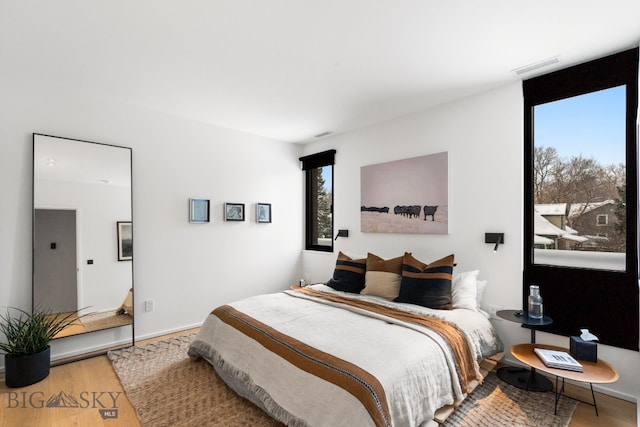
(125, 241)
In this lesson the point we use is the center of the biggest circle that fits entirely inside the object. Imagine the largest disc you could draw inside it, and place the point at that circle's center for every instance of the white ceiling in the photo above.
(292, 69)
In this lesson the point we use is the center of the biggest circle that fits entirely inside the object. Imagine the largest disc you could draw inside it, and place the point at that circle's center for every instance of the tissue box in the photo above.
(583, 350)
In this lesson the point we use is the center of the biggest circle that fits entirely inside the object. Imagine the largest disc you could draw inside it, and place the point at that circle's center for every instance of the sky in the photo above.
(591, 125)
(326, 174)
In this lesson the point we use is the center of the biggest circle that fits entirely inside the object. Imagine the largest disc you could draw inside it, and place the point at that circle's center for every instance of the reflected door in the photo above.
(54, 262)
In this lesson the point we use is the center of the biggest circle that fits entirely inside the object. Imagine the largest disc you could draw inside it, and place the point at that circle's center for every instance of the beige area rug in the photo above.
(496, 403)
(168, 389)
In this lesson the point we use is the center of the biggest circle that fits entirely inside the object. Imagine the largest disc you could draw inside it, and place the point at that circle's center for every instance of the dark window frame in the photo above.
(606, 302)
(310, 165)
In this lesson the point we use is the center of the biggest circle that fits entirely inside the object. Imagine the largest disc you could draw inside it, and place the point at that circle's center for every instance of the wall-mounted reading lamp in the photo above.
(342, 233)
(496, 238)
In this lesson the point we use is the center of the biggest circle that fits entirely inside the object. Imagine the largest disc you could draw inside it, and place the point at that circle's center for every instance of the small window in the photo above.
(603, 219)
(319, 200)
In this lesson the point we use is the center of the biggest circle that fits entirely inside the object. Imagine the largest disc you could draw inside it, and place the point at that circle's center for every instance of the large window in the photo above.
(319, 200)
(579, 170)
(581, 197)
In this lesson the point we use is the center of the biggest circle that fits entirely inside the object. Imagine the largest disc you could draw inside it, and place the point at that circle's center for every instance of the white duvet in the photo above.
(413, 363)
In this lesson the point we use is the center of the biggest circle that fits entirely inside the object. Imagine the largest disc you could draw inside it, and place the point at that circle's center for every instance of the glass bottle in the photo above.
(535, 302)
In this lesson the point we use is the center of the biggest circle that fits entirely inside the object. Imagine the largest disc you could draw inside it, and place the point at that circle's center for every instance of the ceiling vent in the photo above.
(320, 135)
(536, 65)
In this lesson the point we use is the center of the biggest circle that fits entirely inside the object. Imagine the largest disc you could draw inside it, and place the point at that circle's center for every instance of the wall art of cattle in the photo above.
(406, 196)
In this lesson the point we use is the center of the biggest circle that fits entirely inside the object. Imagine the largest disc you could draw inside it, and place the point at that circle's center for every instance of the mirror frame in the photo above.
(33, 212)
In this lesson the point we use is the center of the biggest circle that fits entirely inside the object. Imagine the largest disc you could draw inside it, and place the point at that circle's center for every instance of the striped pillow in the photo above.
(348, 275)
(383, 276)
(427, 285)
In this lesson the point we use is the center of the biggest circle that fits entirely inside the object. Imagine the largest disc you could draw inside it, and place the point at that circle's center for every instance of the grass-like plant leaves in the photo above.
(29, 333)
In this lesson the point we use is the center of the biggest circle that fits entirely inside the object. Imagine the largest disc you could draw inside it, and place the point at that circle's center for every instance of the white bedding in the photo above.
(412, 363)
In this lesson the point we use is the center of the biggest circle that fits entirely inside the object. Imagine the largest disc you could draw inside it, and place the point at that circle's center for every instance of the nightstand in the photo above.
(600, 372)
(523, 378)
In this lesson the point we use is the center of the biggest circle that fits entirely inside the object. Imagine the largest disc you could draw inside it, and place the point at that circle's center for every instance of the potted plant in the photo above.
(26, 346)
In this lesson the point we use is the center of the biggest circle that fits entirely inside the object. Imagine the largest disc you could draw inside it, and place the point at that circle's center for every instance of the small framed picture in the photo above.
(263, 212)
(125, 241)
(234, 211)
(199, 211)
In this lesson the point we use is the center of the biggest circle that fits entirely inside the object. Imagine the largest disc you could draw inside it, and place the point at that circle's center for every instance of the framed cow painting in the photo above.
(406, 196)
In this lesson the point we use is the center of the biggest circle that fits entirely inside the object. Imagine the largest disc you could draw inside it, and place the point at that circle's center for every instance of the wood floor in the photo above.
(95, 322)
(95, 385)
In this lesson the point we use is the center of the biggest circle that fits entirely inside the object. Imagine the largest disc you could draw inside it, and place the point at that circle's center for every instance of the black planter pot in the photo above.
(25, 370)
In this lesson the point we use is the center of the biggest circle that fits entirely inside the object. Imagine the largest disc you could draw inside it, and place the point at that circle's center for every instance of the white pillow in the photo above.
(464, 291)
(481, 285)
(484, 313)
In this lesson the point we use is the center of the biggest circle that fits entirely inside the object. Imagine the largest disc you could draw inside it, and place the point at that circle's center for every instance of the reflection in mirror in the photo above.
(82, 200)
(579, 181)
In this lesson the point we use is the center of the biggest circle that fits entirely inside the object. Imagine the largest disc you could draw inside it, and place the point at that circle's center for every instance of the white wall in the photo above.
(484, 137)
(187, 269)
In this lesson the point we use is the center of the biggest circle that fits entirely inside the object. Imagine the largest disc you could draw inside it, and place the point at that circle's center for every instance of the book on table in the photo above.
(558, 359)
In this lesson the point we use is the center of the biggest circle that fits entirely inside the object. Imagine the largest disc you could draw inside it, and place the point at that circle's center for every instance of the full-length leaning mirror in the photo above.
(82, 233)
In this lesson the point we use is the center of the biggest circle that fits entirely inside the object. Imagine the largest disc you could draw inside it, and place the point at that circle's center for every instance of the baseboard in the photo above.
(167, 331)
(93, 350)
(85, 353)
(63, 360)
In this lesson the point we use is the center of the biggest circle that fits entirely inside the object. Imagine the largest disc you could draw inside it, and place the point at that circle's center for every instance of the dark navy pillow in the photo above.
(349, 274)
(426, 285)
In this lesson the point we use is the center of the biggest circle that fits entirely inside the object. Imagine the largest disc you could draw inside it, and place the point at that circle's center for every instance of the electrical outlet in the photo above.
(148, 305)
(493, 310)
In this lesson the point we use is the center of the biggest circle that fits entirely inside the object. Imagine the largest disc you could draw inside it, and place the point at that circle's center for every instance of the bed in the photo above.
(318, 356)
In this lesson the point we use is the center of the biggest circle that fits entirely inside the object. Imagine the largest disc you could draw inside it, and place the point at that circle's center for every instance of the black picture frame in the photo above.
(234, 211)
(263, 213)
(199, 211)
(125, 240)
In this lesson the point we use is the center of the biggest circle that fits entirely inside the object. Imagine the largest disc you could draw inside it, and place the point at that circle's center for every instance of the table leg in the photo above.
(560, 392)
(593, 396)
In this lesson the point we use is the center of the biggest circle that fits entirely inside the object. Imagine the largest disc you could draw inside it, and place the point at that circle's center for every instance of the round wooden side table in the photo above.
(599, 372)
